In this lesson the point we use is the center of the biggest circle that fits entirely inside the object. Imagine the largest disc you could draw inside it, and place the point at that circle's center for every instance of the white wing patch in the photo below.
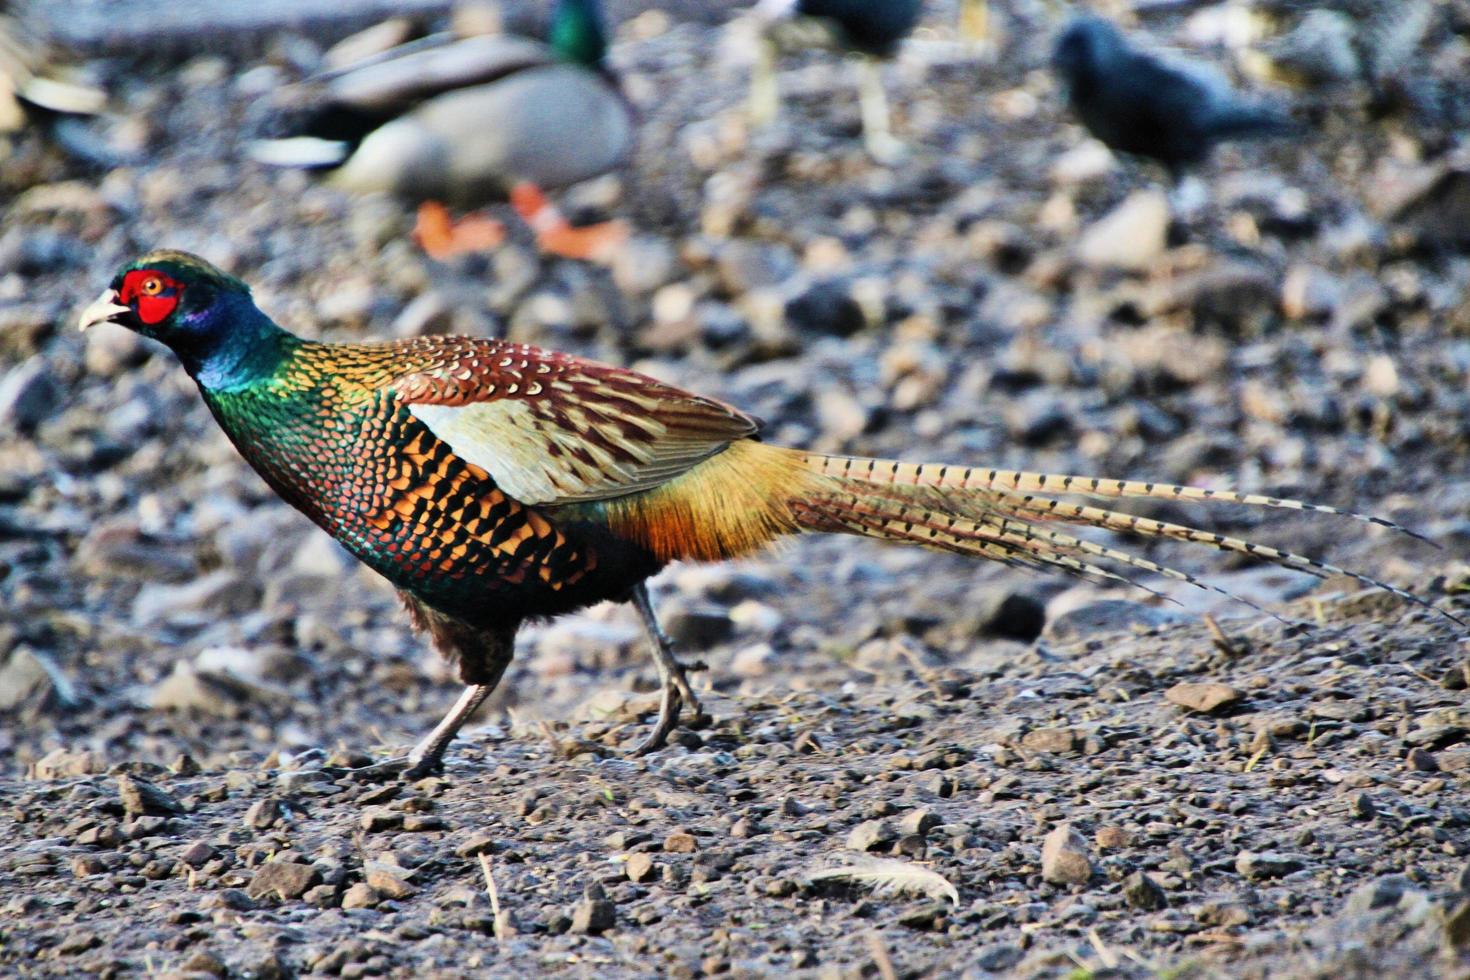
(574, 453)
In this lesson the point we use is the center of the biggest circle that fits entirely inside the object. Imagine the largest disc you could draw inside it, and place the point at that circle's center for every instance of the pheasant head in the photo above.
(204, 315)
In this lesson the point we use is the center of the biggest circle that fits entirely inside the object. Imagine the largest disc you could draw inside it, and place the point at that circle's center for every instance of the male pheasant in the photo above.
(493, 482)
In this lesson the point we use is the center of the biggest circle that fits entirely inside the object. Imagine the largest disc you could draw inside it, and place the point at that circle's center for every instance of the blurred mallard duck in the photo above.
(871, 29)
(467, 121)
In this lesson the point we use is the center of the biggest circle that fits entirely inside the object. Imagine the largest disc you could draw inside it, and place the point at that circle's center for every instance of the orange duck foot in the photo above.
(555, 235)
(441, 237)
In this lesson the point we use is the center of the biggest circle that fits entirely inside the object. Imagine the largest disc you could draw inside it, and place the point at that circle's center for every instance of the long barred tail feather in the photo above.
(970, 478)
(996, 513)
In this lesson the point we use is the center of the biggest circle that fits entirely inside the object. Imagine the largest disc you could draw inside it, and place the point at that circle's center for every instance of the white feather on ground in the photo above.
(888, 876)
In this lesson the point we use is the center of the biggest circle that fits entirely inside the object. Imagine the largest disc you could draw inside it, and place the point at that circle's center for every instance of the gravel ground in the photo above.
(187, 667)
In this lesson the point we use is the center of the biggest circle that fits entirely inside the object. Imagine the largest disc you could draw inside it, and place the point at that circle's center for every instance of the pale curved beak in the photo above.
(102, 310)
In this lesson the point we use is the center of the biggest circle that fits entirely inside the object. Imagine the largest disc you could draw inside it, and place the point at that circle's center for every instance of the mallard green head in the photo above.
(579, 33)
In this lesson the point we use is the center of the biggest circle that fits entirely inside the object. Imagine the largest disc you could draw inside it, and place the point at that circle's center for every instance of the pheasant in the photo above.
(494, 483)
(1138, 103)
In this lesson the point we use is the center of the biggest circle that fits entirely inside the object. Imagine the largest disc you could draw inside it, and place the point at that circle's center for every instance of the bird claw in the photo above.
(676, 695)
(406, 767)
(378, 772)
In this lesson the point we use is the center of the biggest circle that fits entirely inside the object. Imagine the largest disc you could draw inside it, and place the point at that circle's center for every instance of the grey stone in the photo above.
(1141, 892)
(1064, 857)
(28, 396)
(1258, 866)
(285, 879)
(140, 797)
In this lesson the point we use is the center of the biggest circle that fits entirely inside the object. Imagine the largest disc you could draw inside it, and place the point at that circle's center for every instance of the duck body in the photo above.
(464, 121)
(552, 125)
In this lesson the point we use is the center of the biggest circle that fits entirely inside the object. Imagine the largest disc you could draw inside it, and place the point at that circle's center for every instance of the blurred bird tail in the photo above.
(304, 152)
(1011, 517)
(1253, 122)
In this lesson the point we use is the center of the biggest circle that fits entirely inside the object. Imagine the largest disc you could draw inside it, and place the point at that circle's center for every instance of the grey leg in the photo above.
(427, 755)
(671, 675)
(873, 101)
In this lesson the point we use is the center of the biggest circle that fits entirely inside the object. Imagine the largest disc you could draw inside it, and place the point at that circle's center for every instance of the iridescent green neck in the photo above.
(231, 343)
(577, 33)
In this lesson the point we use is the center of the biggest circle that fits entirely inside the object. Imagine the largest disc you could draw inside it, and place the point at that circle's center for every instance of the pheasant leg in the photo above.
(427, 755)
(672, 676)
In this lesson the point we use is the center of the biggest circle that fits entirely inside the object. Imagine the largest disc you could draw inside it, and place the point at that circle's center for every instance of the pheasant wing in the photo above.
(554, 429)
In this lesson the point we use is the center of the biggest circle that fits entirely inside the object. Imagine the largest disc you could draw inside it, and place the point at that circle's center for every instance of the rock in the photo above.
(744, 265)
(287, 880)
(264, 813)
(1111, 838)
(140, 797)
(644, 264)
(1064, 859)
(826, 308)
(753, 661)
(1419, 760)
(1266, 864)
(198, 854)
(698, 628)
(67, 764)
(479, 843)
(1203, 698)
(30, 681)
(389, 884)
(187, 690)
(1109, 616)
(111, 350)
(919, 822)
(927, 917)
(218, 593)
(360, 896)
(1131, 237)
(1457, 926)
(1377, 894)
(1141, 892)
(593, 916)
(1087, 162)
(427, 313)
(1363, 807)
(87, 865)
(1012, 615)
(375, 819)
(639, 867)
(680, 842)
(871, 835)
(1055, 740)
(28, 396)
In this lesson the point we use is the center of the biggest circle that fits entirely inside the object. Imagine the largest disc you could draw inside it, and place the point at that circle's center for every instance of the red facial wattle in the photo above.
(152, 294)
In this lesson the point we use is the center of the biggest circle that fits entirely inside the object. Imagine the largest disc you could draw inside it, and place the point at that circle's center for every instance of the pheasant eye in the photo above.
(151, 286)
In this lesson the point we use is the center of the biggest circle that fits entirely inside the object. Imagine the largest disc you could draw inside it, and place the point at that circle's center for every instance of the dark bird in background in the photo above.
(494, 483)
(871, 29)
(467, 121)
(1137, 102)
